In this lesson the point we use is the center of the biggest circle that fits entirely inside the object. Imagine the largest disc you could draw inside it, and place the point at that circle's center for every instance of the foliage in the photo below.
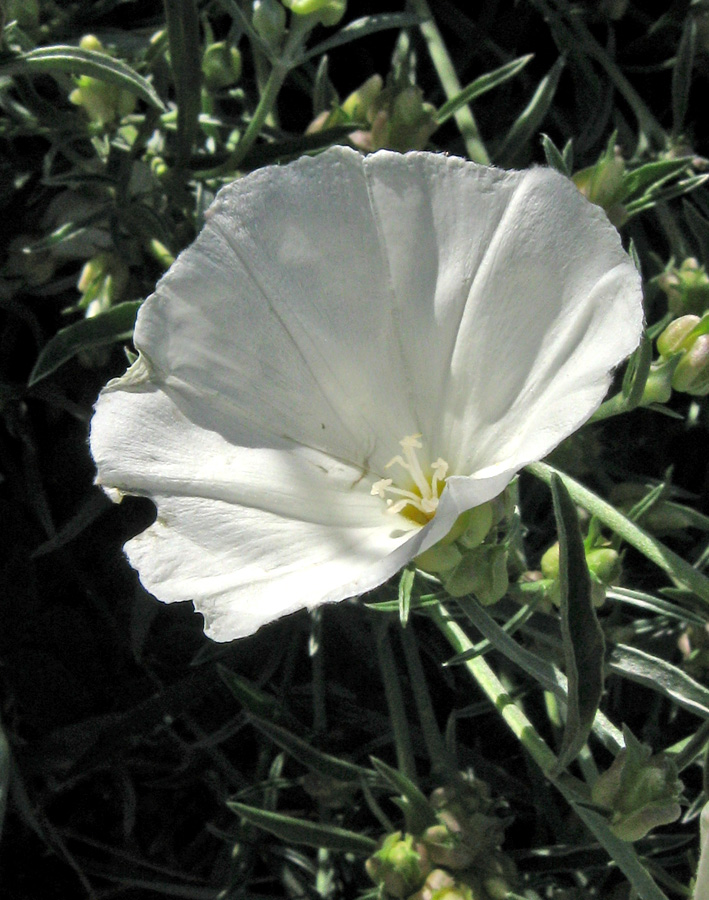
(137, 759)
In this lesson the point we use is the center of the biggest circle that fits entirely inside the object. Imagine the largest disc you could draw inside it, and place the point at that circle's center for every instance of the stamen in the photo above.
(419, 499)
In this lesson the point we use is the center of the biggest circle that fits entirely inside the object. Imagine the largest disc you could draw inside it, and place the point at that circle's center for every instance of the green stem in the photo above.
(676, 567)
(395, 704)
(491, 685)
(449, 81)
(301, 27)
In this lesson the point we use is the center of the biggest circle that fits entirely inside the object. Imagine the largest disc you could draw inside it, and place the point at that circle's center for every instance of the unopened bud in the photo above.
(329, 12)
(400, 865)
(692, 373)
(686, 288)
(269, 21)
(603, 184)
(221, 65)
(483, 572)
(358, 105)
(673, 338)
(639, 790)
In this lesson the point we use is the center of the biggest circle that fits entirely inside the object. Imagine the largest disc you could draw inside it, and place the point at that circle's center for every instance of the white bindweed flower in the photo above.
(353, 352)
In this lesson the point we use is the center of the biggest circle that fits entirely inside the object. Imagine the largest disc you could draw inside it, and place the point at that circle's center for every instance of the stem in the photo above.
(443, 65)
(491, 685)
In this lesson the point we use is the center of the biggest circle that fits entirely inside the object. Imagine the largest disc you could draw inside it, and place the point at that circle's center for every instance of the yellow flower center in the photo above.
(417, 494)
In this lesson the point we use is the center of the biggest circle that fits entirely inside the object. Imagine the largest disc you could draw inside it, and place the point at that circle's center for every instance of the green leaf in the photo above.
(75, 60)
(406, 583)
(329, 766)
(621, 852)
(527, 123)
(110, 327)
(583, 639)
(682, 73)
(657, 605)
(362, 28)
(660, 676)
(648, 545)
(420, 813)
(481, 86)
(185, 59)
(301, 831)
(636, 374)
(261, 705)
(554, 156)
(699, 226)
(652, 175)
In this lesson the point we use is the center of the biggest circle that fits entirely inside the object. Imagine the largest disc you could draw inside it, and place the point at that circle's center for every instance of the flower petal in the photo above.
(250, 534)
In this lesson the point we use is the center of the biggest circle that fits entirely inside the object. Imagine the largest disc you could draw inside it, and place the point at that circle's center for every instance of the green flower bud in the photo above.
(483, 572)
(269, 20)
(658, 387)
(686, 288)
(329, 11)
(550, 562)
(221, 65)
(102, 281)
(604, 564)
(447, 847)
(640, 790)
(358, 105)
(603, 184)
(692, 373)
(400, 865)
(477, 526)
(103, 103)
(673, 338)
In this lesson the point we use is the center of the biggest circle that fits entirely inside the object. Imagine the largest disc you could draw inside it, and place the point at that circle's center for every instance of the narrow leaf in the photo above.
(652, 175)
(75, 60)
(583, 639)
(532, 116)
(682, 73)
(362, 28)
(420, 812)
(329, 766)
(554, 156)
(660, 676)
(699, 226)
(110, 327)
(480, 86)
(301, 831)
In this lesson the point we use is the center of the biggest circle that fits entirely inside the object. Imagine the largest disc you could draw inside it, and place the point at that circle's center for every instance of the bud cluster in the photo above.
(640, 791)
(104, 104)
(397, 117)
(684, 354)
(472, 558)
(458, 858)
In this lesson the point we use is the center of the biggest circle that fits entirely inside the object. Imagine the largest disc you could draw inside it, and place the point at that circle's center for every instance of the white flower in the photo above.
(344, 329)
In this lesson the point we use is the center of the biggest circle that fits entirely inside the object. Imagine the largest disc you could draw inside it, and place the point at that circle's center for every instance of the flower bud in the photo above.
(603, 184)
(447, 847)
(400, 865)
(658, 387)
(477, 525)
(673, 338)
(103, 103)
(604, 564)
(358, 105)
(692, 373)
(329, 11)
(640, 790)
(269, 20)
(221, 66)
(686, 288)
(483, 572)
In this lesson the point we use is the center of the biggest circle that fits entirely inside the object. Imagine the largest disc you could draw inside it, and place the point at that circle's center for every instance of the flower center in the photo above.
(417, 493)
